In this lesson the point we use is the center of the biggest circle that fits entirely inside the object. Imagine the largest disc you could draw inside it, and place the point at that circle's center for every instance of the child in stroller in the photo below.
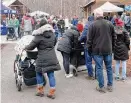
(24, 64)
(11, 33)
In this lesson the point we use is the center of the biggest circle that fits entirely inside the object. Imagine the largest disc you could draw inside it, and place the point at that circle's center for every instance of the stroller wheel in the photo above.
(75, 72)
(18, 84)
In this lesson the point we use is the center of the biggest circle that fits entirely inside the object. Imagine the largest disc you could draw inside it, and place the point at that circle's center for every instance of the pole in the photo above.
(61, 7)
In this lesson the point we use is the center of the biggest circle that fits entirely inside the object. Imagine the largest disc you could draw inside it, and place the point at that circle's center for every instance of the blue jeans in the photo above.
(51, 77)
(88, 60)
(117, 67)
(99, 69)
(16, 32)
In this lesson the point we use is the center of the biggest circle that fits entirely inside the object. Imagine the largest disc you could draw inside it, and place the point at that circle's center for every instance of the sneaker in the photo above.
(101, 90)
(68, 75)
(117, 78)
(90, 78)
(110, 88)
(123, 79)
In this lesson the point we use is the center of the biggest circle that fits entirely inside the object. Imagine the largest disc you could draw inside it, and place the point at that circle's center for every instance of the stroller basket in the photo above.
(11, 30)
(32, 54)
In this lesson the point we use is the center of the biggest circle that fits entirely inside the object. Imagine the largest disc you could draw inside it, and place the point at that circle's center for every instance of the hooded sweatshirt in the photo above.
(83, 36)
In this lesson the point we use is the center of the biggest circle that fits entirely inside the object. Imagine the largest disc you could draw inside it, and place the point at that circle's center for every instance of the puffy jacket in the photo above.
(122, 45)
(68, 41)
(44, 40)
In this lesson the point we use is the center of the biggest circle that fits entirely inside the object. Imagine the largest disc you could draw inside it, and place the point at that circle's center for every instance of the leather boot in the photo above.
(40, 91)
(51, 94)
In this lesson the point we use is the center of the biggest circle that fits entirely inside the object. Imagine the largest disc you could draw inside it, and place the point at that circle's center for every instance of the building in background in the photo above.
(93, 4)
(16, 5)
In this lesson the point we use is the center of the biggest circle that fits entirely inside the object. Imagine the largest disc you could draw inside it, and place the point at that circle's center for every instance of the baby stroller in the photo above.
(25, 70)
(11, 33)
(78, 59)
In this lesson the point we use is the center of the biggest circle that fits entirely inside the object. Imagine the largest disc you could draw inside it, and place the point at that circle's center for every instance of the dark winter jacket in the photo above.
(122, 45)
(101, 37)
(69, 41)
(44, 40)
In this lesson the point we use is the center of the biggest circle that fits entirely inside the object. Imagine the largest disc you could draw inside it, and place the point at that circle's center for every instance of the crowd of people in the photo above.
(102, 37)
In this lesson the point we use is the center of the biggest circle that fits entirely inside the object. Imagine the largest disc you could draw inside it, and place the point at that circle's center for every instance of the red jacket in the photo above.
(80, 27)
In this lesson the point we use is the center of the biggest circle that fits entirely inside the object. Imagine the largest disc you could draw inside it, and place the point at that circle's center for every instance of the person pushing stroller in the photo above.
(67, 44)
(44, 40)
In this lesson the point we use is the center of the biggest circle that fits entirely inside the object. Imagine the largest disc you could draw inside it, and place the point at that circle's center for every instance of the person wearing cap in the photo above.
(100, 43)
(47, 62)
(14, 22)
(88, 58)
(121, 49)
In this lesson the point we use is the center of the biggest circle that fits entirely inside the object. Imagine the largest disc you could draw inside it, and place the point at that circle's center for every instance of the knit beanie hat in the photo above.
(98, 13)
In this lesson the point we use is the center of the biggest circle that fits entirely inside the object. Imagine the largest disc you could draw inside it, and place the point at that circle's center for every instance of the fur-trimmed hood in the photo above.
(43, 29)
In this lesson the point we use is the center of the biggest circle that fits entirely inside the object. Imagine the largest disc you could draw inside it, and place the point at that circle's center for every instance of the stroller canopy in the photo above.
(6, 10)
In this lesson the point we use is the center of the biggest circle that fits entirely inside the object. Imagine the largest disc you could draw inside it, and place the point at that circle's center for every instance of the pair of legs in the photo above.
(99, 69)
(16, 32)
(66, 62)
(88, 60)
(128, 28)
(51, 77)
(117, 67)
(28, 33)
(40, 83)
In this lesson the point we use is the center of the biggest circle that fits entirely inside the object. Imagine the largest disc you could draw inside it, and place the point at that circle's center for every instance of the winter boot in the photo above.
(51, 94)
(40, 91)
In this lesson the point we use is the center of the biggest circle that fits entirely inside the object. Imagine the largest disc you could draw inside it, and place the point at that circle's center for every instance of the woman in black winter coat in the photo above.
(121, 51)
(68, 42)
(44, 40)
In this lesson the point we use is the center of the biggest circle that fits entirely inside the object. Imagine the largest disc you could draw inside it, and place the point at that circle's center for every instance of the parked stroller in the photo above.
(78, 59)
(25, 70)
(11, 34)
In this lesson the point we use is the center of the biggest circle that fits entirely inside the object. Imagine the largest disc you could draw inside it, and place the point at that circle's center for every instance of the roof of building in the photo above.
(99, 3)
(88, 3)
(9, 2)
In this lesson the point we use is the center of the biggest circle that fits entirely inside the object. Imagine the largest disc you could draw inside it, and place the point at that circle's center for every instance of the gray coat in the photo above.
(68, 41)
(44, 40)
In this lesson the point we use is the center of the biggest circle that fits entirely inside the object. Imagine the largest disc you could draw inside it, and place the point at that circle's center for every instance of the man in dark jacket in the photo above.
(83, 38)
(47, 62)
(100, 43)
(68, 42)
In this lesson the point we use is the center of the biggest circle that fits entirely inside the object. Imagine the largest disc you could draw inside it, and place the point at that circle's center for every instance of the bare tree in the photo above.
(56, 7)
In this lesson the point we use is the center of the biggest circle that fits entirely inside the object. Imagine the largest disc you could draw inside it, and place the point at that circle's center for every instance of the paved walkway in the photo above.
(4, 41)
(73, 90)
